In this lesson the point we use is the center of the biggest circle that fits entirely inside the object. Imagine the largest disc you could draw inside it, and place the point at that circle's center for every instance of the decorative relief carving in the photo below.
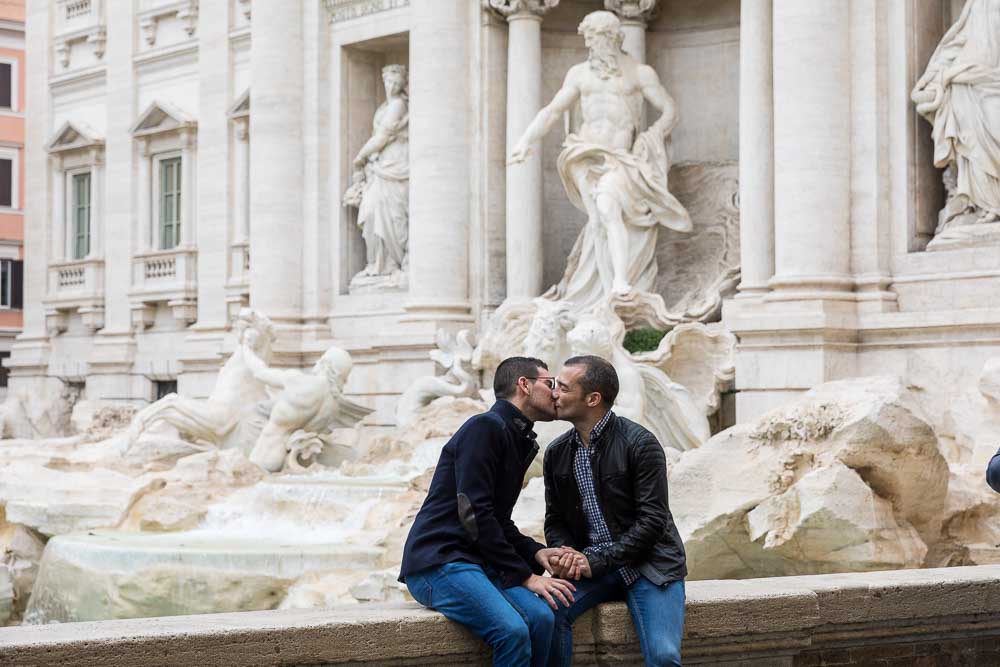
(508, 8)
(79, 22)
(634, 10)
(344, 10)
(186, 12)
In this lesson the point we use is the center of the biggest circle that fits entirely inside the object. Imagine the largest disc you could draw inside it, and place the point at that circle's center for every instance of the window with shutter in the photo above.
(81, 215)
(6, 182)
(6, 86)
(17, 284)
(170, 203)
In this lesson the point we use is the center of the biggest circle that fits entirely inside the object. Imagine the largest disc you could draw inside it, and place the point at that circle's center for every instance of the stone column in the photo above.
(634, 15)
(525, 254)
(189, 190)
(441, 122)
(756, 148)
(145, 197)
(241, 231)
(276, 75)
(812, 149)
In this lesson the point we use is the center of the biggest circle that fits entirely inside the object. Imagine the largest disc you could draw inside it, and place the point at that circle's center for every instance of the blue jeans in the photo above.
(657, 613)
(514, 621)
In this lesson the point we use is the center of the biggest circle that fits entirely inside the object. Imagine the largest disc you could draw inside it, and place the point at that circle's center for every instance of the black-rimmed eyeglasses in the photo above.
(549, 381)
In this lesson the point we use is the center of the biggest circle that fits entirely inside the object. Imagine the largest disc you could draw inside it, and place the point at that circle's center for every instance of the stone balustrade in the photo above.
(950, 615)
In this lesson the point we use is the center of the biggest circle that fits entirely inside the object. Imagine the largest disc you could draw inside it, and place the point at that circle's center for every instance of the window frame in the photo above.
(156, 176)
(15, 101)
(72, 207)
(14, 155)
(7, 296)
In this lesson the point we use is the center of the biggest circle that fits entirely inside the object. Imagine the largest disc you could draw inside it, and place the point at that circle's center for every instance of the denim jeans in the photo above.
(657, 613)
(514, 621)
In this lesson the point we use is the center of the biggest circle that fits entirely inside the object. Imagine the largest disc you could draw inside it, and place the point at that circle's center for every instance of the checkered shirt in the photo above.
(597, 527)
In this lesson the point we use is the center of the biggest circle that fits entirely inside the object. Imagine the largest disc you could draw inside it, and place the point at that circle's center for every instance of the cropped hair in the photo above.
(510, 369)
(600, 377)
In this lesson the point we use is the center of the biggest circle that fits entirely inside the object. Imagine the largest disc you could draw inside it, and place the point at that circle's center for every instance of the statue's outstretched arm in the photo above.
(269, 376)
(659, 98)
(546, 118)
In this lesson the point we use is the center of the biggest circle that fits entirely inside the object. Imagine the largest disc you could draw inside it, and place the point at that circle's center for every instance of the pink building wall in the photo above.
(12, 134)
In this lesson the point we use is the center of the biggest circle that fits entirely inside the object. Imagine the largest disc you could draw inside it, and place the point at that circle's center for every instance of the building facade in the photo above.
(12, 184)
(189, 159)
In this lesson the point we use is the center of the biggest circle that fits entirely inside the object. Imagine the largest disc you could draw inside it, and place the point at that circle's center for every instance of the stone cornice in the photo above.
(344, 10)
(514, 8)
(634, 10)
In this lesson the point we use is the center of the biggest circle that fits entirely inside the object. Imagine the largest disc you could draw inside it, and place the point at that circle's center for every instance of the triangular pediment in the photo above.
(73, 136)
(241, 107)
(161, 117)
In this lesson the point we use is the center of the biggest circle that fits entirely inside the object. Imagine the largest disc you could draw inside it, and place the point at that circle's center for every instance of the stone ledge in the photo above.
(855, 618)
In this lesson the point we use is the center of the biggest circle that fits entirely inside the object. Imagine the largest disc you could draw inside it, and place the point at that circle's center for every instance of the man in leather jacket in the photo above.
(606, 498)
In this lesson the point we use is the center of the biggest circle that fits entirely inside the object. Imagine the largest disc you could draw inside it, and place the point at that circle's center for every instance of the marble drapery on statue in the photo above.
(380, 190)
(959, 94)
(611, 170)
(637, 182)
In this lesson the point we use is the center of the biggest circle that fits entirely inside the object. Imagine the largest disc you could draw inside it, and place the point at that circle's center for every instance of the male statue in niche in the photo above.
(611, 169)
(380, 188)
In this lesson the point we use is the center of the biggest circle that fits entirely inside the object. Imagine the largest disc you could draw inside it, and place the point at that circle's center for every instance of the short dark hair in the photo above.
(600, 376)
(510, 369)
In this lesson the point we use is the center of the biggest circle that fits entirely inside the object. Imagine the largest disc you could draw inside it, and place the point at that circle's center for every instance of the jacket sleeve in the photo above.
(525, 547)
(477, 461)
(993, 472)
(649, 487)
(557, 533)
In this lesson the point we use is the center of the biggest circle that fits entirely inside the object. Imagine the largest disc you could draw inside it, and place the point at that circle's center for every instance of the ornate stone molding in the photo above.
(634, 10)
(509, 8)
(344, 10)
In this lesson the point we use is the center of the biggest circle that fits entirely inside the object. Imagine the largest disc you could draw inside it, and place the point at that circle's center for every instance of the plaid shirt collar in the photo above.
(596, 432)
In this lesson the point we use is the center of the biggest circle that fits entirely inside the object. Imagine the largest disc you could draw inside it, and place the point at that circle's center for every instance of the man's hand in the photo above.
(550, 590)
(545, 556)
(570, 564)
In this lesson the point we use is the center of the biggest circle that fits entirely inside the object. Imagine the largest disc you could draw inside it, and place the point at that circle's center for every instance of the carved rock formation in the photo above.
(848, 477)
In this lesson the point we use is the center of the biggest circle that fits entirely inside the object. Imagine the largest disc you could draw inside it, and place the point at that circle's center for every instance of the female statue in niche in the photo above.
(380, 188)
(959, 94)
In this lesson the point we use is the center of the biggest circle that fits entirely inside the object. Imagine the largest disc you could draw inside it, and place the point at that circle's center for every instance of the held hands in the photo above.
(569, 564)
(564, 562)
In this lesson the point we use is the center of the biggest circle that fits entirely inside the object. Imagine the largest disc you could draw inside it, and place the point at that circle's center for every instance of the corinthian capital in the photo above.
(636, 10)
(508, 8)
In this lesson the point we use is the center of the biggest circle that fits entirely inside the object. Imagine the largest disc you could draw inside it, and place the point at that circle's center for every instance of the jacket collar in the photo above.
(596, 433)
(510, 414)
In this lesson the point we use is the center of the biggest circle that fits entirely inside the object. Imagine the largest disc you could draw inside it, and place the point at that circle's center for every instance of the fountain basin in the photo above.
(104, 574)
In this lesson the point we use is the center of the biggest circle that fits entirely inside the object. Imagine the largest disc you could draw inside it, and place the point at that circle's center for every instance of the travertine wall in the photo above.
(906, 617)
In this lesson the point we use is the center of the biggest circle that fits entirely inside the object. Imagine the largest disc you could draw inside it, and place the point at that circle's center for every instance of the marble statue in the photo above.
(218, 419)
(613, 171)
(959, 94)
(453, 353)
(307, 402)
(380, 188)
(646, 395)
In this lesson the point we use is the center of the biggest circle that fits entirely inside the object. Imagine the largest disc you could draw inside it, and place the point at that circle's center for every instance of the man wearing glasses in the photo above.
(464, 556)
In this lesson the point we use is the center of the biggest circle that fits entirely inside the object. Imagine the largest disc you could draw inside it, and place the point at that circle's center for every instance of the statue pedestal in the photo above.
(972, 235)
(363, 283)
